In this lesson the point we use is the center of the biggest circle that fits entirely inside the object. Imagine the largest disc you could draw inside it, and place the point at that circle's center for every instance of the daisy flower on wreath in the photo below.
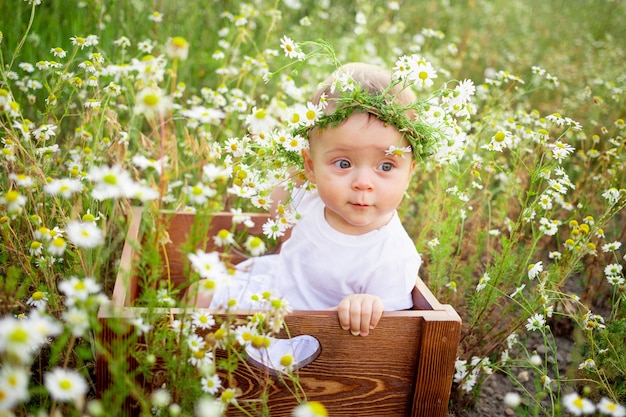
(398, 151)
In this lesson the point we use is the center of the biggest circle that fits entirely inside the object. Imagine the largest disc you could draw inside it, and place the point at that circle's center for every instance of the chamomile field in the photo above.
(203, 106)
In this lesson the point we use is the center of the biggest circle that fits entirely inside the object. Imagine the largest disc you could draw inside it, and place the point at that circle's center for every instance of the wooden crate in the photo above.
(403, 368)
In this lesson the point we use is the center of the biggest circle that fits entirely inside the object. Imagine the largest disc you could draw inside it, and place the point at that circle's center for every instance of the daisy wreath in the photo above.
(434, 125)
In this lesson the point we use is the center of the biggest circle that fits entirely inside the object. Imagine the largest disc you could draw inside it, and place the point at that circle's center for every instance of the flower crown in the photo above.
(428, 124)
(422, 137)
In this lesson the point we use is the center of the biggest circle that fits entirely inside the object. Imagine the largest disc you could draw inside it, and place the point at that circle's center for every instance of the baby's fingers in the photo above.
(377, 312)
(344, 311)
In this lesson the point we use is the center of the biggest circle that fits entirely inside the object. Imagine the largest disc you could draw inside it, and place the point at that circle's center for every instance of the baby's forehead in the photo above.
(349, 133)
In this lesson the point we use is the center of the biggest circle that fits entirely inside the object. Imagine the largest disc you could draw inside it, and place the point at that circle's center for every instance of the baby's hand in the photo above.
(360, 313)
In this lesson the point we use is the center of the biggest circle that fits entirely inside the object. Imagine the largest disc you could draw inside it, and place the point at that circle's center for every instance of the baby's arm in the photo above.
(360, 313)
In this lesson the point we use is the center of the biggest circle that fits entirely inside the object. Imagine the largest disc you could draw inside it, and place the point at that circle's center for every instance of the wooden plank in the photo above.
(125, 288)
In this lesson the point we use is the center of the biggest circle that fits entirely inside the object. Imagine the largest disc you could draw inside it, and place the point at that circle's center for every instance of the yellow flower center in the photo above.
(59, 242)
(578, 403)
(227, 396)
(12, 196)
(286, 360)
(65, 384)
(179, 42)
(38, 295)
(19, 336)
(499, 137)
(110, 179)
(260, 114)
(151, 100)
(257, 341)
(318, 409)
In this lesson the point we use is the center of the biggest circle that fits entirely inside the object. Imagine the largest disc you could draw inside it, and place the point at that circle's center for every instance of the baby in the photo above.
(349, 251)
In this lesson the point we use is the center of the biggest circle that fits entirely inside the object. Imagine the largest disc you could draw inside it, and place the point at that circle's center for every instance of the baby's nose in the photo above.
(362, 180)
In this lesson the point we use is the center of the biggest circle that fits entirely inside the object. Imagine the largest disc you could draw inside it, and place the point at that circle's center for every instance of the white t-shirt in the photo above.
(318, 266)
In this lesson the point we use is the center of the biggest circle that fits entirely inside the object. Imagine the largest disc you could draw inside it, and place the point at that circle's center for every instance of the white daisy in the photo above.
(13, 385)
(76, 290)
(110, 182)
(255, 246)
(208, 265)
(65, 187)
(202, 320)
(152, 102)
(84, 234)
(578, 405)
(65, 384)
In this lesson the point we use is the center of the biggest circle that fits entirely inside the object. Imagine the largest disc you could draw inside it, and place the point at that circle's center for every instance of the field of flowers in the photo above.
(519, 216)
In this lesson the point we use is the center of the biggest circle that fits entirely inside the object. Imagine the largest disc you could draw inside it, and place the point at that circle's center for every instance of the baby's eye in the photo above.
(342, 163)
(385, 166)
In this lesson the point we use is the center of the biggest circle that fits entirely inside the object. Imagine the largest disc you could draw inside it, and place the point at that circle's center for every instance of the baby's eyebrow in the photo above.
(340, 149)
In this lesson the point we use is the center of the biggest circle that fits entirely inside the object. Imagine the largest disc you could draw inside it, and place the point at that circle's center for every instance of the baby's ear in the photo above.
(413, 165)
(308, 166)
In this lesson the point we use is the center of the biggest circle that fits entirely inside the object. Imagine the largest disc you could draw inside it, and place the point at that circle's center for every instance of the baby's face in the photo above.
(358, 182)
